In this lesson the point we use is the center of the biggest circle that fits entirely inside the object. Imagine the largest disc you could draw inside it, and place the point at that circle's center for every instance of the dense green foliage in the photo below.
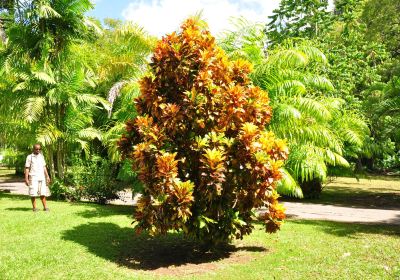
(68, 82)
(383, 27)
(319, 128)
(359, 42)
(51, 86)
(299, 18)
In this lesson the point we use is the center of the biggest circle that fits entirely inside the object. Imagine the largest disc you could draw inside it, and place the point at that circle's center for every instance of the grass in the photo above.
(376, 192)
(8, 174)
(88, 241)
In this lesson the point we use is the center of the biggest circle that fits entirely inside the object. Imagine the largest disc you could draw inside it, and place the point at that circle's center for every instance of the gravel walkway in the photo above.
(294, 210)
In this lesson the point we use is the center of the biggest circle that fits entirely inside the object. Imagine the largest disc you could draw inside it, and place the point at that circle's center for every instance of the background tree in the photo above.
(319, 128)
(50, 89)
(199, 143)
(357, 56)
(382, 106)
(383, 27)
(68, 84)
(300, 18)
(119, 58)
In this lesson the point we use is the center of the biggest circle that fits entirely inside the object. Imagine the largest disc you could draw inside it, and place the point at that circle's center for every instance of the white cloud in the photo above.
(164, 16)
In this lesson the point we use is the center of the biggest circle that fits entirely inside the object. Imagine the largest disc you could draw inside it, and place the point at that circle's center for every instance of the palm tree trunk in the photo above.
(60, 165)
(10, 6)
(50, 154)
(3, 37)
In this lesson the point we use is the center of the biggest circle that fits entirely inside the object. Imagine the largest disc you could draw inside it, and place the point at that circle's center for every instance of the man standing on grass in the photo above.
(36, 177)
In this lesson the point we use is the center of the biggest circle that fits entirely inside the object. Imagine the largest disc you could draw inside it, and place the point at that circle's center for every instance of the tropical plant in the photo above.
(94, 179)
(382, 106)
(305, 19)
(357, 66)
(199, 143)
(51, 91)
(119, 58)
(383, 27)
(319, 128)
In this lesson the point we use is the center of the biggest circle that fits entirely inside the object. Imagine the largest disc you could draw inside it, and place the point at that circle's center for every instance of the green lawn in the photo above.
(375, 192)
(8, 174)
(88, 241)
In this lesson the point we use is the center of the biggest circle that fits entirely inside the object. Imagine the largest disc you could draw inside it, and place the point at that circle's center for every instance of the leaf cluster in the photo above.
(199, 143)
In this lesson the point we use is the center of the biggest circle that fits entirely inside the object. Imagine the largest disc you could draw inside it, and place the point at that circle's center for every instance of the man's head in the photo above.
(36, 149)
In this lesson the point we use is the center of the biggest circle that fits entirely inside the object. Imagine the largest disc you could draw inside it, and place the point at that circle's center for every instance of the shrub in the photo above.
(199, 144)
(14, 159)
(94, 179)
(60, 191)
(129, 177)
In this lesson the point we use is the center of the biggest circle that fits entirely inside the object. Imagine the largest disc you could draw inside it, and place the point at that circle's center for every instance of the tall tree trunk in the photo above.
(3, 37)
(311, 188)
(10, 6)
(59, 158)
(50, 154)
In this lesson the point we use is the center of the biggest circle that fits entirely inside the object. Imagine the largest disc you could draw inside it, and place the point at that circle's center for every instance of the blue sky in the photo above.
(164, 16)
(109, 9)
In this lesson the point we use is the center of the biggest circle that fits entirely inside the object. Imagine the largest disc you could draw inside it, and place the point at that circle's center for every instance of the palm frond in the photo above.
(306, 163)
(313, 107)
(111, 137)
(91, 99)
(43, 76)
(89, 133)
(46, 11)
(91, 24)
(34, 108)
(85, 147)
(314, 54)
(290, 58)
(21, 86)
(290, 87)
(48, 134)
(318, 82)
(341, 161)
(352, 129)
(288, 185)
(287, 113)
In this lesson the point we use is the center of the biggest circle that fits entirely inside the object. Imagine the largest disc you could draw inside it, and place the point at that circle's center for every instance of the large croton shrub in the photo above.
(199, 142)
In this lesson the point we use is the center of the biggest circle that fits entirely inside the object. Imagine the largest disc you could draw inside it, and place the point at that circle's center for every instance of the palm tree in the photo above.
(316, 124)
(119, 58)
(50, 89)
(382, 106)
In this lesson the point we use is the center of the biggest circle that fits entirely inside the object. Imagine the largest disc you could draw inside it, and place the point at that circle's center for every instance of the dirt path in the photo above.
(295, 210)
(311, 211)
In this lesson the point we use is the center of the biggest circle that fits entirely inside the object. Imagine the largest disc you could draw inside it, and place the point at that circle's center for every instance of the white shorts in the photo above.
(38, 188)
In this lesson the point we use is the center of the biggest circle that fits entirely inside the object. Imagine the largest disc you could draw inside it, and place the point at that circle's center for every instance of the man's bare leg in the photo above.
(33, 199)
(43, 199)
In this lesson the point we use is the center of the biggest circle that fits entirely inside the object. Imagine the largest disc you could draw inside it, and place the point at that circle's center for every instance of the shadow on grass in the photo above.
(351, 229)
(13, 196)
(97, 210)
(122, 246)
(23, 209)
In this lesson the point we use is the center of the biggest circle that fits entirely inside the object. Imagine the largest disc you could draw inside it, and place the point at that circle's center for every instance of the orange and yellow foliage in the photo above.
(199, 144)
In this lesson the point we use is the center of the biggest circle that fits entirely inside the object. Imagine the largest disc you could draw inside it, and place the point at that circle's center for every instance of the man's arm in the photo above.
(27, 176)
(47, 175)
(27, 168)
